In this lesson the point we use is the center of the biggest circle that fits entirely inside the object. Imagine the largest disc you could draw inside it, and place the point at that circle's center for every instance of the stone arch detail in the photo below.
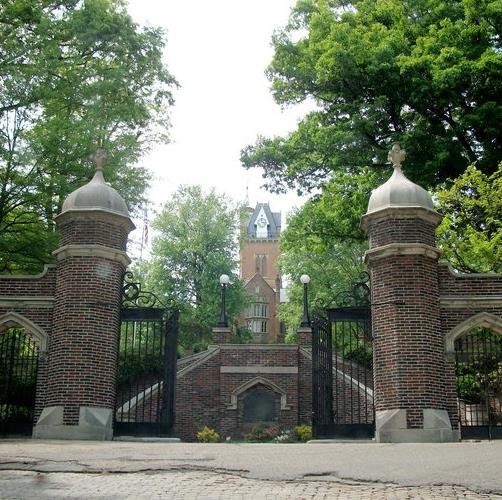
(484, 319)
(257, 381)
(37, 333)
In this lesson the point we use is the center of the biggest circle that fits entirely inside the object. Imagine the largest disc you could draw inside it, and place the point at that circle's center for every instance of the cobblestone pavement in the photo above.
(207, 485)
(42, 470)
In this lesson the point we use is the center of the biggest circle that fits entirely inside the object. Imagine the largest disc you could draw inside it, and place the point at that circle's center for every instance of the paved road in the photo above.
(69, 469)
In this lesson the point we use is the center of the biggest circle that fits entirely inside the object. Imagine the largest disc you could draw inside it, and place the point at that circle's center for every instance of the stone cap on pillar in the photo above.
(222, 334)
(97, 195)
(304, 335)
(399, 196)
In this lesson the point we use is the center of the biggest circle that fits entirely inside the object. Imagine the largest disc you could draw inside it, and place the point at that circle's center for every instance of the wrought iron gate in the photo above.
(478, 366)
(18, 379)
(146, 376)
(342, 368)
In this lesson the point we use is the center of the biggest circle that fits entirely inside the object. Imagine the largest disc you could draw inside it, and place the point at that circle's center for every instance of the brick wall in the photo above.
(32, 298)
(462, 297)
(204, 394)
(41, 285)
(416, 303)
(197, 399)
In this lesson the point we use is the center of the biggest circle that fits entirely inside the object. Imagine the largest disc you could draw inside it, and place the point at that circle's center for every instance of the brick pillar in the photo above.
(409, 357)
(82, 361)
(304, 335)
(222, 334)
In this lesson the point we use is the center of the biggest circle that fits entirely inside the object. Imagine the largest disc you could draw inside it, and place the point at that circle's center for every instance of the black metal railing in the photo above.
(342, 374)
(18, 379)
(146, 375)
(478, 366)
(322, 376)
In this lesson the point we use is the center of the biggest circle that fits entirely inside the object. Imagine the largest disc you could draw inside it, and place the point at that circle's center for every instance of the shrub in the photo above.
(303, 432)
(285, 436)
(207, 435)
(260, 433)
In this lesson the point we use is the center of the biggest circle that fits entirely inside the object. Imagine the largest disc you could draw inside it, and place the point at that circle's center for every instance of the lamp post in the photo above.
(305, 279)
(224, 279)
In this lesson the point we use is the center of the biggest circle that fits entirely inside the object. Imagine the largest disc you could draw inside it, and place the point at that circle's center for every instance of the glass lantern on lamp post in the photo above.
(305, 279)
(224, 280)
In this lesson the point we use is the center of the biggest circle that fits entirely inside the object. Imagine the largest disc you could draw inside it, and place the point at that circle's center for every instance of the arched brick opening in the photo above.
(13, 319)
(476, 347)
(258, 404)
(23, 346)
(482, 319)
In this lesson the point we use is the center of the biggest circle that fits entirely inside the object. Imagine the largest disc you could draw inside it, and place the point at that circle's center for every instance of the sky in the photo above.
(218, 51)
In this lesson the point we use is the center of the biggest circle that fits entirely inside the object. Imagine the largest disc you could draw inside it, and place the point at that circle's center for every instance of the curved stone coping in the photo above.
(393, 249)
(199, 360)
(483, 319)
(187, 360)
(459, 274)
(92, 251)
(45, 270)
(37, 333)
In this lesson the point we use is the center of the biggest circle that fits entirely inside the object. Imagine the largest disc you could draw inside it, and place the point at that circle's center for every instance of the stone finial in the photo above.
(99, 158)
(396, 156)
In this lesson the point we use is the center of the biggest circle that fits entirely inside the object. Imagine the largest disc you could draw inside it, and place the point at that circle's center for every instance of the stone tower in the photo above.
(91, 260)
(409, 359)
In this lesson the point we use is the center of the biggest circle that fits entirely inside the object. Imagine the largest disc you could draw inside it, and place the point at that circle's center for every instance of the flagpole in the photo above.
(144, 233)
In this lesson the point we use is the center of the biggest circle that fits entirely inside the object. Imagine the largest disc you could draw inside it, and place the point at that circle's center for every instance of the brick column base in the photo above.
(304, 336)
(94, 423)
(391, 427)
(222, 334)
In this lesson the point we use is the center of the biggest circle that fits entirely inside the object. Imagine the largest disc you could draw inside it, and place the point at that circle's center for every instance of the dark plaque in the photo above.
(259, 406)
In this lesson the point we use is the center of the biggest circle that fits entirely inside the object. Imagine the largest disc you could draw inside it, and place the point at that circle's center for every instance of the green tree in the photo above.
(424, 73)
(74, 75)
(470, 234)
(324, 240)
(197, 242)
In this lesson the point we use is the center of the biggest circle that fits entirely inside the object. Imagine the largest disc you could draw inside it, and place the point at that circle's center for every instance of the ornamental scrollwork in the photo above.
(134, 296)
(358, 294)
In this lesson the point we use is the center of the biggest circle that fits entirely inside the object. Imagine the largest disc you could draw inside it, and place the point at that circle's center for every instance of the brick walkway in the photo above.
(43, 470)
(206, 485)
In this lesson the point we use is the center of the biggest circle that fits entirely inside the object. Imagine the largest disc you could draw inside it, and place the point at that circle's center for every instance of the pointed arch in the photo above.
(257, 381)
(483, 319)
(37, 333)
